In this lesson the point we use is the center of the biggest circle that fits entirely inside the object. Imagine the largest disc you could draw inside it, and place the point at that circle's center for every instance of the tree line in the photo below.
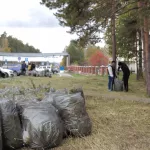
(13, 45)
(91, 55)
(125, 24)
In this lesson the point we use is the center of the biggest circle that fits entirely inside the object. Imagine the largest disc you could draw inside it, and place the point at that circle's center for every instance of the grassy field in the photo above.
(121, 121)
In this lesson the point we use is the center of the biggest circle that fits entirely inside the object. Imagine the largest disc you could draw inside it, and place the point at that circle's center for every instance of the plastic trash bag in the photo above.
(21, 105)
(73, 113)
(1, 142)
(118, 85)
(42, 126)
(11, 127)
(77, 90)
(54, 93)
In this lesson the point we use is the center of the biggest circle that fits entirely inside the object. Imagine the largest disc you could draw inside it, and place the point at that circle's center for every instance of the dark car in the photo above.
(2, 74)
(55, 70)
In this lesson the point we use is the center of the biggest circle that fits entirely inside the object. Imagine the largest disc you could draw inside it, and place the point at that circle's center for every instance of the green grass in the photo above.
(121, 121)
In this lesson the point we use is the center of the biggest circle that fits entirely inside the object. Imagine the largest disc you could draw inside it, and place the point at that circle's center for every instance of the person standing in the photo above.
(110, 77)
(23, 68)
(126, 74)
(113, 64)
(29, 67)
(32, 66)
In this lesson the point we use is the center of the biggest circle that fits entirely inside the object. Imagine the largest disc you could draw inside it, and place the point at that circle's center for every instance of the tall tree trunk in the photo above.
(136, 53)
(144, 56)
(140, 74)
(141, 38)
(113, 23)
(146, 45)
(147, 54)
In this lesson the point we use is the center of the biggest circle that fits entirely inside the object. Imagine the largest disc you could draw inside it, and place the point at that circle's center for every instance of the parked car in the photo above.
(31, 73)
(7, 72)
(43, 68)
(16, 68)
(55, 70)
(2, 74)
(43, 73)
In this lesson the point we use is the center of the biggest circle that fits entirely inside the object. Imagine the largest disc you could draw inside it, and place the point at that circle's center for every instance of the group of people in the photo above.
(112, 74)
(29, 67)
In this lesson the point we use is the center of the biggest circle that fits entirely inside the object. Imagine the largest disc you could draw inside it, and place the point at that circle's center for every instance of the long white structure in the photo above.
(34, 57)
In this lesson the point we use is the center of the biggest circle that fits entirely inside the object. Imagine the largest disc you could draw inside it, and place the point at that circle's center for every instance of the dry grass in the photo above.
(117, 125)
(118, 122)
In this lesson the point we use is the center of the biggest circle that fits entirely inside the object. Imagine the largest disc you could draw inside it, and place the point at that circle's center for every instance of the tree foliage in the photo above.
(126, 34)
(4, 45)
(89, 18)
(98, 59)
(90, 50)
(86, 18)
(11, 44)
(76, 53)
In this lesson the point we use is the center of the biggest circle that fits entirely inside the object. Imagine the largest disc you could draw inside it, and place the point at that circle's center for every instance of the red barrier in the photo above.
(88, 69)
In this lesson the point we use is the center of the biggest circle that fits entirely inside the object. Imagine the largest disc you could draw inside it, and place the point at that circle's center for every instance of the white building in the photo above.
(33, 57)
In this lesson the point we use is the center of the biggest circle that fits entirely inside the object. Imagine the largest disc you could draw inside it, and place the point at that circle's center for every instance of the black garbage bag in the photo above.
(77, 90)
(21, 105)
(11, 127)
(118, 85)
(1, 142)
(73, 113)
(42, 126)
(54, 93)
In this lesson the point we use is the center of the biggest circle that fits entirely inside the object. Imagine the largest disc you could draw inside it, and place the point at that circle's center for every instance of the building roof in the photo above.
(33, 54)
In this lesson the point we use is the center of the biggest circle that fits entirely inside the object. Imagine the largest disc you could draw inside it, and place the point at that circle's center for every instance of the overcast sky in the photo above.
(33, 23)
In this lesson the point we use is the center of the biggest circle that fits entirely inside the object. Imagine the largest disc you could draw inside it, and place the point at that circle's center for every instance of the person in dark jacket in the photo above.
(113, 63)
(23, 68)
(126, 74)
(33, 66)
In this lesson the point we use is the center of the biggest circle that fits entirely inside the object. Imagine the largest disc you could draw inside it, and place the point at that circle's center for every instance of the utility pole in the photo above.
(113, 27)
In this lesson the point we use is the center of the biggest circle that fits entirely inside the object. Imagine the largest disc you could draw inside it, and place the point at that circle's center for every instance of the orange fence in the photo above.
(102, 70)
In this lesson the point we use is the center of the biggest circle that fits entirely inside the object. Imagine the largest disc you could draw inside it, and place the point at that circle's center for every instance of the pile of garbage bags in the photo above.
(43, 124)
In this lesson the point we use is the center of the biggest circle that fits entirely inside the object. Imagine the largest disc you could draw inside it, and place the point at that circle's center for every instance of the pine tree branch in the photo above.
(134, 8)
